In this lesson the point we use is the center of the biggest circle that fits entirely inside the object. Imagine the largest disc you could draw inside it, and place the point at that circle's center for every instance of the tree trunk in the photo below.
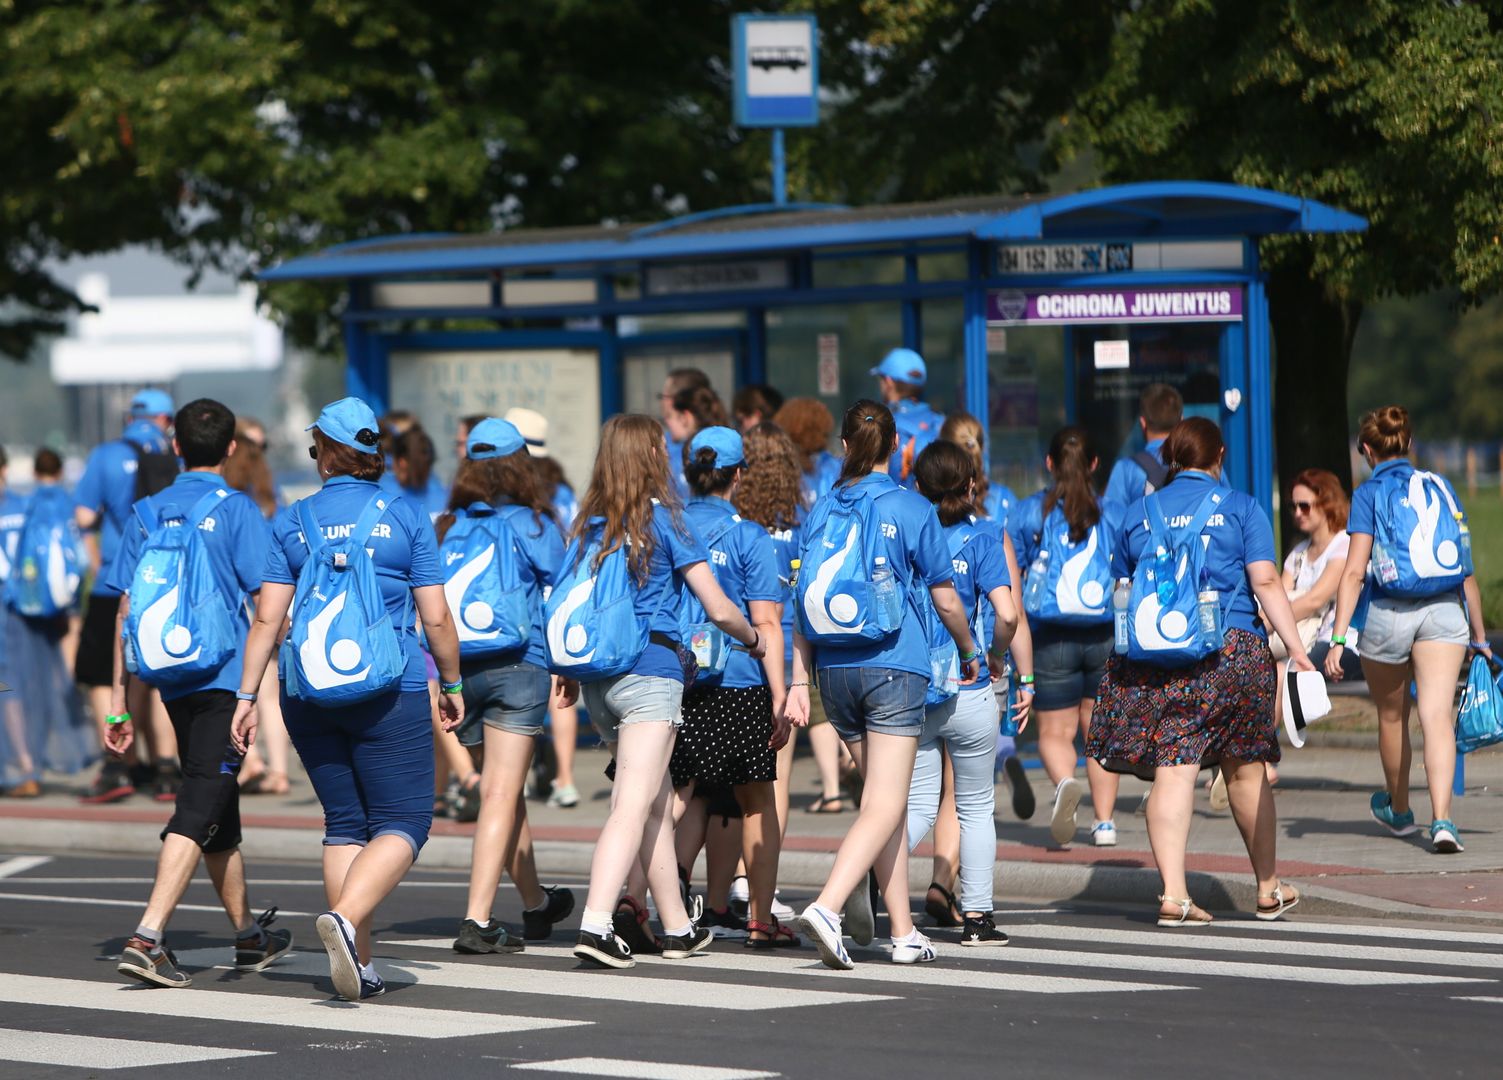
(1313, 331)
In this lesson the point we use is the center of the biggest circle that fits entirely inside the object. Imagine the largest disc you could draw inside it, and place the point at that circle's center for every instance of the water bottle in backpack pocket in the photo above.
(710, 645)
(849, 594)
(1070, 582)
(488, 596)
(47, 569)
(343, 647)
(590, 616)
(179, 629)
(1171, 624)
(1419, 549)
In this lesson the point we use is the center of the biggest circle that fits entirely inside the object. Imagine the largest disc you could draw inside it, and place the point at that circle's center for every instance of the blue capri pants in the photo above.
(370, 764)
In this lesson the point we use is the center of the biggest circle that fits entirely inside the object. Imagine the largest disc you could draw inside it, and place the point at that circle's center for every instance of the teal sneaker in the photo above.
(1381, 806)
(1445, 838)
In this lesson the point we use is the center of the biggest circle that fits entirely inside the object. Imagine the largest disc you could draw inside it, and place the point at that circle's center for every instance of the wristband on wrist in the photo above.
(967, 657)
(793, 684)
(1480, 645)
(1338, 639)
(1026, 680)
(451, 688)
(119, 718)
(241, 695)
(1026, 690)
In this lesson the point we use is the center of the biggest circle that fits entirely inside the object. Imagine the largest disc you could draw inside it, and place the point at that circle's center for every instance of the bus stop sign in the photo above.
(776, 65)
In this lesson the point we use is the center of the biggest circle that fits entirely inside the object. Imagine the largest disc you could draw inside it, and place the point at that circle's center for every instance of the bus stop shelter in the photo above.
(1032, 312)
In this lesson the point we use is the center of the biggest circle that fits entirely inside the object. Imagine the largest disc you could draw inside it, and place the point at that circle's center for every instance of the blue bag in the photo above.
(710, 645)
(179, 629)
(944, 657)
(488, 595)
(1479, 722)
(48, 567)
(343, 647)
(1167, 625)
(593, 629)
(1076, 588)
(1419, 545)
(848, 593)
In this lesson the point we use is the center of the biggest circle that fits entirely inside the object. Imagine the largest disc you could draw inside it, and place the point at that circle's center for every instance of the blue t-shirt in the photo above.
(402, 546)
(917, 553)
(1027, 526)
(12, 517)
(1126, 484)
(1239, 532)
(817, 482)
(1363, 518)
(676, 466)
(108, 487)
(433, 499)
(236, 538)
(999, 503)
(542, 555)
(565, 506)
(745, 562)
(980, 567)
(786, 541)
(918, 426)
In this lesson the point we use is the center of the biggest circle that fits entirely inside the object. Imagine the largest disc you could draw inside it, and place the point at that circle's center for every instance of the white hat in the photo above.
(534, 429)
(1305, 700)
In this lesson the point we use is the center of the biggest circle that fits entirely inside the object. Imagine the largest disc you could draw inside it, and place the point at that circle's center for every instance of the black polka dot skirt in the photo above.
(724, 737)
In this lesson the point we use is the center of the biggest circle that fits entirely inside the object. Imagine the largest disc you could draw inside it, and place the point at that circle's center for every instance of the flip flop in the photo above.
(942, 914)
(822, 805)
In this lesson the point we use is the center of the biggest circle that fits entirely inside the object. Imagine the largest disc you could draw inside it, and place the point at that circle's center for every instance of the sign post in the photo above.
(775, 59)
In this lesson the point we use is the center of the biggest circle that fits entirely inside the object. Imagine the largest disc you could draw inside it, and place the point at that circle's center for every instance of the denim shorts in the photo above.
(511, 698)
(1068, 662)
(1394, 625)
(633, 699)
(860, 699)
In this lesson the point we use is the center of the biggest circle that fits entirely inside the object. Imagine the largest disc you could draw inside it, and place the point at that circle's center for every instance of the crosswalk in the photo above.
(542, 1006)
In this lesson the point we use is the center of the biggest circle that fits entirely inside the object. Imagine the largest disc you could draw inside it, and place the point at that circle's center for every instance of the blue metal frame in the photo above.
(800, 113)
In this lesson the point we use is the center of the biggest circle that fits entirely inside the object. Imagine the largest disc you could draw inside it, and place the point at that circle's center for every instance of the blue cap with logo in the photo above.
(350, 422)
(492, 438)
(725, 442)
(904, 365)
(152, 403)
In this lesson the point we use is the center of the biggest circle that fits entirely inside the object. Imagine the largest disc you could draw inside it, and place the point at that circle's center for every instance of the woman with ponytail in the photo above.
(1072, 631)
(993, 501)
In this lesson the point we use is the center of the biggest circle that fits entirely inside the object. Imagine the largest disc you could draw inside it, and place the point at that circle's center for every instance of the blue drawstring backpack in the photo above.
(1077, 586)
(47, 569)
(1418, 526)
(944, 657)
(483, 581)
(837, 602)
(709, 644)
(179, 628)
(1479, 722)
(1164, 626)
(593, 630)
(343, 648)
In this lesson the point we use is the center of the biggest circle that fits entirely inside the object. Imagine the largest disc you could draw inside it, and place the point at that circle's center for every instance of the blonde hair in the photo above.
(966, 432)
(1386, 432)
(631, 471)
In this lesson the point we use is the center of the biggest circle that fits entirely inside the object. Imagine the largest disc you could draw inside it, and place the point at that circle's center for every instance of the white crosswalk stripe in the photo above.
(89, 1052)
(640, 1070)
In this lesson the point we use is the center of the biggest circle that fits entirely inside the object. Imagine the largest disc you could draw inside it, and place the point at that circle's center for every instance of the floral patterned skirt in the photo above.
(1147, 716)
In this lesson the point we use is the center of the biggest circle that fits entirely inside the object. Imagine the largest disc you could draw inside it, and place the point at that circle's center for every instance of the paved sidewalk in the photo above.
(1327, 842)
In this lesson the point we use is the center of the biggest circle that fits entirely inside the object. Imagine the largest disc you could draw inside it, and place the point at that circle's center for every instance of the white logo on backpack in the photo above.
(1428, 558)
(478, 614)
(1073, 597)
(162, 648)
(328, 667)
(565, 645)
(833, 616)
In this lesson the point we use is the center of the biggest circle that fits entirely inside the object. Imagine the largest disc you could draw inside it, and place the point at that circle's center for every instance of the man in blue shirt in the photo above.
(901, 377)
(1160, 407)
(112, 481)
(206, 818)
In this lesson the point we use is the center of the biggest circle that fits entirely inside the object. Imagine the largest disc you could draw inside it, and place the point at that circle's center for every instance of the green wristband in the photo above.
(1338, 639)
(452, 687)
(122, 718)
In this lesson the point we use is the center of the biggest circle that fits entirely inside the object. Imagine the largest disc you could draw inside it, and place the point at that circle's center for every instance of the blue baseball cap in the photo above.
(904, 365)
(152, 403)
(492, 438)
(725, 442)
(350, 422)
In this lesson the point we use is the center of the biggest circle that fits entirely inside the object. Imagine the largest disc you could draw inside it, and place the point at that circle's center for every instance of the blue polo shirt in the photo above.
(745, 562)
(433, 499)
(676, 465)
(786, 541)
(402, 546)
(917, 553)
(108, 487)
(542, 547)
(12, 517)
(999, 503)
(817, 482)
(1239, 532)
(980, 567)
(918, 426)
(1126, 484)
(236, 538)
(565, 505)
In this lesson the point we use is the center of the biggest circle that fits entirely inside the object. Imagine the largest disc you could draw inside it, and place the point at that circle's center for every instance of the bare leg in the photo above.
(357, 879)
(1103, 782)
(825, 743)
(175, 866)
(565, 725)
(227, 872)
(271, 735)
(507, 756)
(1388, 685)
(1253, 811)
(523, 867)
(760, 845)
(1057, 741)
(723, 847)
(783, 788)
(691, 826)
(1170, 804)
(1436, 668)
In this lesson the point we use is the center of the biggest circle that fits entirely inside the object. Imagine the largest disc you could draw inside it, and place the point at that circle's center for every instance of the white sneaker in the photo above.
(1104, 834)
(860, 920)
(566, 797)
(914, 949)
(824, 928)
(1220, 800)
(781, 911)
(1062, 819)
(740, 889)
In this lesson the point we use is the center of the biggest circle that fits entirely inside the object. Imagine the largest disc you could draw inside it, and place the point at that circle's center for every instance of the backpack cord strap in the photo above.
(204, 507)
(313, 533)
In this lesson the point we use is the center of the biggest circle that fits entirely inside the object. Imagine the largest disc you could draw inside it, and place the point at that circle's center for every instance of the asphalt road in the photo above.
(1083, 991)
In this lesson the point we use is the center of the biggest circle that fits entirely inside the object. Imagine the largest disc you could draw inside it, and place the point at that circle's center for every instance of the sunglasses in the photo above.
(313, 452)
(1303, 507)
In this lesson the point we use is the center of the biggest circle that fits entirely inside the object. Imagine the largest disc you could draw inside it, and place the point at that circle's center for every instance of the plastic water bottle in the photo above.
(885, 592)
(1210, 612)
(1383, 564)
(1033, 592)
(1007, 697)
(1121, 596)
(1466, 543)
(793, 586)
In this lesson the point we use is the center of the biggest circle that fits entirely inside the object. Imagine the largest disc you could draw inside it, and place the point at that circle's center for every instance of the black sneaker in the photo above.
(466, 805)
(630, 924)
(111, 785)
(273, 945)
(167, 781)
(609, 951)
(538, 923)
(981, 931)
(155, 969)
(682, 947)
(477, 940)
(1023, 803)
(724, 924)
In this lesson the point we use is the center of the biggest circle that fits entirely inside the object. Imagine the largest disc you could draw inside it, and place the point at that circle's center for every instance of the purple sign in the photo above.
(1150, 304)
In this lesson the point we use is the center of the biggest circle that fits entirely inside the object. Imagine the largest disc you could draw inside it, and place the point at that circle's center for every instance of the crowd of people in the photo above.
(413, 641)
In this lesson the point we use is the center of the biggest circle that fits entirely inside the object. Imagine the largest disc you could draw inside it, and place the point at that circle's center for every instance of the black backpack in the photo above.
(155, 470)
(1157, 471)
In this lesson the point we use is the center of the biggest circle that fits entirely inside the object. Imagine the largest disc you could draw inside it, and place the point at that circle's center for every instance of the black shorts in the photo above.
(95, 665)
(208, 803)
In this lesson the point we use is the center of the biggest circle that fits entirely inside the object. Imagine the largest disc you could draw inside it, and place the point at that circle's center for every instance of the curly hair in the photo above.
(808, 423)
(769, 491)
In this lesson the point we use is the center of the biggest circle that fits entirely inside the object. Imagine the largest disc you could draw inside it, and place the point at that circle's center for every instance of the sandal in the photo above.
(778, 936)
(945, 914)
(266, 783)
(1189, 914)
(1272, 905)
(827, 804)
